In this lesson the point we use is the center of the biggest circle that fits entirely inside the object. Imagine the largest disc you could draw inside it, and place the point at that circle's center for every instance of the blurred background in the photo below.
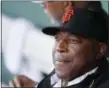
(25, 50)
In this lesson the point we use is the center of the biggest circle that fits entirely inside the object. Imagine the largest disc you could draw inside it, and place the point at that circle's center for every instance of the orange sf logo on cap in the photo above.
(67, 16)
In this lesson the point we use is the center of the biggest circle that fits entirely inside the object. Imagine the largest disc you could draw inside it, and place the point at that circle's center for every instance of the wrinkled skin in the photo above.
(73, 55)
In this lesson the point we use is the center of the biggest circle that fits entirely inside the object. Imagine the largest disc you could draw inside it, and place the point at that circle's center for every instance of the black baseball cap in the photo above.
(84, 22)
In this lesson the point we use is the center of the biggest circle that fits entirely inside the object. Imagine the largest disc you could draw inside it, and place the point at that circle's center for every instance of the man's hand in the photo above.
(22, 81)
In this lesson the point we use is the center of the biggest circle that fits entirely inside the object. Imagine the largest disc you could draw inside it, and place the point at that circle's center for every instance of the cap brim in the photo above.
(54, 30)
(51, 30)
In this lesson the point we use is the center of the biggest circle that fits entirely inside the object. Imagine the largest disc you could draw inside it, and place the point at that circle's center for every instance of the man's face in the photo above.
(54, 9)
(72, 54)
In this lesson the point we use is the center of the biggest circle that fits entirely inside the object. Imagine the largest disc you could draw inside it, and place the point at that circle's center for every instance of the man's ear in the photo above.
(101, 48)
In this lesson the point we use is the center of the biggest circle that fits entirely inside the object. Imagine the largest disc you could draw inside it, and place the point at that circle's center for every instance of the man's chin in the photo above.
(62, 75)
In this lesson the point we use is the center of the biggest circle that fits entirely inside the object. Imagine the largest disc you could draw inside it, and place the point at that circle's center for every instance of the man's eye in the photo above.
(57, 38)
(74, 41)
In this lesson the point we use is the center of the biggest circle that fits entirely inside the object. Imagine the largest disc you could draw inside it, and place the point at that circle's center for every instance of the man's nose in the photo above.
(62, 46)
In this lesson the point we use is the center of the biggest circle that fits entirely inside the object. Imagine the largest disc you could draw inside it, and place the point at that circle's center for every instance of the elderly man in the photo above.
(79, 51)
(57, 15)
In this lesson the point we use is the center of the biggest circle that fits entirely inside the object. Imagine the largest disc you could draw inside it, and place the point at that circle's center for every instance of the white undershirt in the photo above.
(56, 82)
